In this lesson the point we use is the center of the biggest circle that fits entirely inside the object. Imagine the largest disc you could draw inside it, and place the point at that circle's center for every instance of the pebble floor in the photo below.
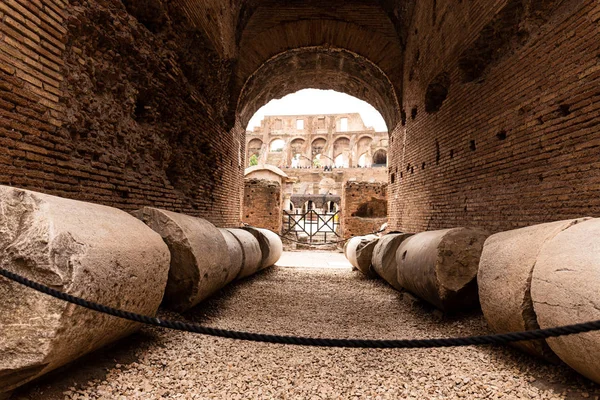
(324, 302)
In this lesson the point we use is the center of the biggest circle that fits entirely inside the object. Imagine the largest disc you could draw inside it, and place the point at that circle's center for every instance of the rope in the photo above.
(496, 339)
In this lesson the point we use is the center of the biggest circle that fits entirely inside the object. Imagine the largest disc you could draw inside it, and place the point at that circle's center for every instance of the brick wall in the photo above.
(364, 207)
(113, 107)
(516, 141)
(262, 204)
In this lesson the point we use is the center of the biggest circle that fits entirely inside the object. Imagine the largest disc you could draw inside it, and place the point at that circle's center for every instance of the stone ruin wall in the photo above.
(118, 106)
(320, 134)
(262, 204)
(364, 208)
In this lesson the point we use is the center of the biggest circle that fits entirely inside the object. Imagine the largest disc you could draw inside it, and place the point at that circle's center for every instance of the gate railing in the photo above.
(312, 224)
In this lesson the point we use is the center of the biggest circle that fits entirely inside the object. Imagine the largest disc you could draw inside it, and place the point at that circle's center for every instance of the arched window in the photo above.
(277, 146)
(363, 161)
(380, 158)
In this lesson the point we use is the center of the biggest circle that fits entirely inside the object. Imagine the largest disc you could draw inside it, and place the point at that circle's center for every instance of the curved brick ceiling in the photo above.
(319, 68)
(370, 69)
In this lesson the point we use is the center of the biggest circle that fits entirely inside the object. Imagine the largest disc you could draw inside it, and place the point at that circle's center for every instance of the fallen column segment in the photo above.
(441, 266)
(505, 271)
(95, 252)
(200, 262)
(250, 248)
(565, 289)
(270, 244)
(384, 257)
(359, 251)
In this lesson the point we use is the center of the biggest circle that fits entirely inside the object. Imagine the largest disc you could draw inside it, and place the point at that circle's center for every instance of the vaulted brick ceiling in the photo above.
(349, 46)
(365, 37)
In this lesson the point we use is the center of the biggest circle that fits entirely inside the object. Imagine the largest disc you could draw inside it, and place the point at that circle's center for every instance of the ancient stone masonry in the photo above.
(365, 208)
(492, 106)
(116, 103)
(262, 204)
(305, 141)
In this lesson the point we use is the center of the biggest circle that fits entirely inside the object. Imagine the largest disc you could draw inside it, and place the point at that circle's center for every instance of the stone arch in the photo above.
(297, 150)
(320, 68)
(318, 145)
(254, 147)
(341, 152)
(363, 151)
(380, 157)
(276, 145)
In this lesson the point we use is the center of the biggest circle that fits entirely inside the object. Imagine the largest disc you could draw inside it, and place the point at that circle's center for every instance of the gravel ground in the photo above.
(158, 364)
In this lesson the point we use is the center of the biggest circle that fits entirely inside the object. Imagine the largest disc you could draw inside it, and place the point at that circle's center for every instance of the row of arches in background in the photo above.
(340, 156)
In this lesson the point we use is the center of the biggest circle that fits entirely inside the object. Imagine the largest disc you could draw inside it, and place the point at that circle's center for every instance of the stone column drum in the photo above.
(270, 245)
(565, 289)
(200, 263)
(251, 261)
(91, 251)
(441, 266)
(504, 280)
(359, 251)
(384, 257)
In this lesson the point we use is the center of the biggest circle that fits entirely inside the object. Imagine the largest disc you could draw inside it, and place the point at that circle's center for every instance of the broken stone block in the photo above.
(200, 264)
(99, 253)
(236, 254)
(384, 257)
(441, 266)
(565, 290)
(251, 253)
(359, 251)
(504, 280)
(271, 246)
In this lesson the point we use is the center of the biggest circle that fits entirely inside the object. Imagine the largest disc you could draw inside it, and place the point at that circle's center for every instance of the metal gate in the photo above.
(316, 227)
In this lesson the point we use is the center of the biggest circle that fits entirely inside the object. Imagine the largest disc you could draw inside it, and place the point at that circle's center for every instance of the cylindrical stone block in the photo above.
(565, 289)
(200, 264)
(271, 246)
(504, 280)
(236, 254)
(441, 266)
(359, 251)
(91, 251)
(384, 257)
(251, 253)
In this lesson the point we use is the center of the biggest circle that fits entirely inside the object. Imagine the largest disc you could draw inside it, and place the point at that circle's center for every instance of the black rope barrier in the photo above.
(497, 339)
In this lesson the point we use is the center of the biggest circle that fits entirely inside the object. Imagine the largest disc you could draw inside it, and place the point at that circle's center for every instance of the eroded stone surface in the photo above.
(359, 251)
(236, 254)
(271, 246)
(565, 289)
(441, 266)
(252, 255)
(504, 280)
(384, 257)
(99, 253)
(199, 261)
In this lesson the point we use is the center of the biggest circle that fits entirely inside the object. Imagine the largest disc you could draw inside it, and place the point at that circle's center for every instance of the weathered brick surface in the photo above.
(262, 204)
(364, 207)
(134, 102)
(516, 140)
(101, 106)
